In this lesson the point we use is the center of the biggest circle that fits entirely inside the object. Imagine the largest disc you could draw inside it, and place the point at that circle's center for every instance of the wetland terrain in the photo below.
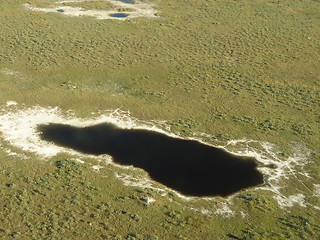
(111, 111)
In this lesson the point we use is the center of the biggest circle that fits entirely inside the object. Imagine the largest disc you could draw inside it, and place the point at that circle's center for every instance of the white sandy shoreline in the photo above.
(18, 128)
(137, 9)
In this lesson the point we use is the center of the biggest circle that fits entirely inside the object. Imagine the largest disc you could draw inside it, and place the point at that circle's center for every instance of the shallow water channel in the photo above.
(187, 166)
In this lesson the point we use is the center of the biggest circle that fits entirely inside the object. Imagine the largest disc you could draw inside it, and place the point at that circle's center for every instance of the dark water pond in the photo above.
(119, 15)
(187, 166)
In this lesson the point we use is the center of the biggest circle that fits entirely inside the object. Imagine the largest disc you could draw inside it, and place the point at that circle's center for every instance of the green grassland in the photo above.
(232, 69)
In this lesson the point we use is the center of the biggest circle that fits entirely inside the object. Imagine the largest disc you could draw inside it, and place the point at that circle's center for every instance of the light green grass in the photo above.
(232, 69)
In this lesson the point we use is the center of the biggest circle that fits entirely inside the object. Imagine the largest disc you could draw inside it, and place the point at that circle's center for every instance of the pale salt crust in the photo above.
(97, 167)
(138, 9)
(286, 168)
(224, 210)
(18, 127)
(243, 214)
(316, 190)
(201, 210)
(290, 201)
(316, 194)
(9, 103)
(7, 71)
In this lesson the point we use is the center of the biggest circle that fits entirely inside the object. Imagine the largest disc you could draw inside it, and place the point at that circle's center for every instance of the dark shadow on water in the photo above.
(187, 166)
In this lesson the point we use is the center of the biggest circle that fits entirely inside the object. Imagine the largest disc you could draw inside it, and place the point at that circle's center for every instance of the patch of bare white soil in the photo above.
(18, 129)
(131, 10)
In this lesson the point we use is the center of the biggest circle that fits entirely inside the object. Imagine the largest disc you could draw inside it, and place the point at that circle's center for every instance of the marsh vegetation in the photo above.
(229, 69)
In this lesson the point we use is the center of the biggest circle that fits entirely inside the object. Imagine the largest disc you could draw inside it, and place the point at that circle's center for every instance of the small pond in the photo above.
(126, 1)
(119, 15)
(187, 166)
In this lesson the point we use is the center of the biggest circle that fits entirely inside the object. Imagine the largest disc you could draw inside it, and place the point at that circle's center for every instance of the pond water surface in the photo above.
(187, 166)
(126, 1)
(119, 15)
